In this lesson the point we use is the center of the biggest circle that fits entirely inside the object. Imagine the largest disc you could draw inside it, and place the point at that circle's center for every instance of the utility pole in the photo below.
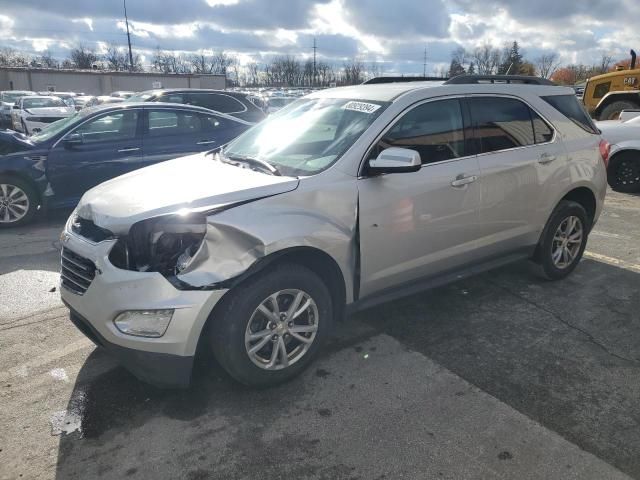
(315, 73)
(424, 65)
(126, 20)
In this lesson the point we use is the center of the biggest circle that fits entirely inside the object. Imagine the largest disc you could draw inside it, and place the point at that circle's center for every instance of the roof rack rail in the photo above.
(379, 80)
(516, 79)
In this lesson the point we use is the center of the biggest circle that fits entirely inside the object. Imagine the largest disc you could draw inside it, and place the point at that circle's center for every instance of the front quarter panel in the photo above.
(320, 214)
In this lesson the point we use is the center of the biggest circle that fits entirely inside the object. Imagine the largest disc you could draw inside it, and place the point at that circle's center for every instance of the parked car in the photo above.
(624, 136)
(66, 97)
(104, 99)
(55, 167)
(275, 104)
(32, 114)
(84, 101)
(122, 94)
(232, 103)
(350, 197)
(7, 101)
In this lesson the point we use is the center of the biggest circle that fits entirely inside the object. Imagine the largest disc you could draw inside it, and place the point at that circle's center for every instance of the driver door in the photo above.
(415, 225)
(100, 149)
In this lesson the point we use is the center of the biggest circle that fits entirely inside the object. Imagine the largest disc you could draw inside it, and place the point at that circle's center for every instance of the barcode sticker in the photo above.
(361, 107)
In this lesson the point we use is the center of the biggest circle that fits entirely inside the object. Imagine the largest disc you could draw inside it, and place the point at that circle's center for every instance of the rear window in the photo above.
(218, 102)
(568, 105)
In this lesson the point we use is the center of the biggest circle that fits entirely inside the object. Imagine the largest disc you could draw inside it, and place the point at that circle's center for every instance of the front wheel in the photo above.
(18, 202)
(613, 110)
(272, 326)
(564, 240)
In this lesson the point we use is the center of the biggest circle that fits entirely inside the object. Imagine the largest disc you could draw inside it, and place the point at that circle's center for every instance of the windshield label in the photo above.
(361, 107)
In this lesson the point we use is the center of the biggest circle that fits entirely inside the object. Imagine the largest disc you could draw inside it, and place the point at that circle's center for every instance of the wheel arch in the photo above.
(612, 97)
(585, 197)
(25, 178)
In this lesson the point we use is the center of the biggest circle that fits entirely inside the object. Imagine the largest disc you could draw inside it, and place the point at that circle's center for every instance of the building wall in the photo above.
(100, 83)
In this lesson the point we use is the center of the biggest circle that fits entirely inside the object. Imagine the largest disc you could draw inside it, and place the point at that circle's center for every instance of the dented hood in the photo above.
(197, 182)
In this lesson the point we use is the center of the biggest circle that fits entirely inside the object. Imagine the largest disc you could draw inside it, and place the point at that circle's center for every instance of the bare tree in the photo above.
(353, 71)
(547, 64)
(486, 59)
(116, 58)
(47, 60)
(170, 62)
(10, 57)
(253, 72)
(460, 56)
(83, 57)
(605, 63)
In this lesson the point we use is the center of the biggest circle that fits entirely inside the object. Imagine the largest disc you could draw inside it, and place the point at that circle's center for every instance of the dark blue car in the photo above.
(56, 166)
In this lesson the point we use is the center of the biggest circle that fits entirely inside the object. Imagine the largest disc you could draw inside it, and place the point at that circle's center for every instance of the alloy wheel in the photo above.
(282, 329)
(567, 242)
(14, 203)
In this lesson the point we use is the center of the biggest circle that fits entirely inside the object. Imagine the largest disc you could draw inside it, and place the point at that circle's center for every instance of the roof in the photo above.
(390, 91)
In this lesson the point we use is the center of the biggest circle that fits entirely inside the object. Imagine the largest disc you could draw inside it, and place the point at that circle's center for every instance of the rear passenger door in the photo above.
(171, 133)
(515, 147)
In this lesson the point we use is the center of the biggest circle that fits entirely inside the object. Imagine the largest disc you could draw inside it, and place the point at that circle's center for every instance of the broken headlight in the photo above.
(163, 244)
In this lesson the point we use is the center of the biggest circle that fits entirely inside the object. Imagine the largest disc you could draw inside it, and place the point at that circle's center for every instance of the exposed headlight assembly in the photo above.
(163, 244)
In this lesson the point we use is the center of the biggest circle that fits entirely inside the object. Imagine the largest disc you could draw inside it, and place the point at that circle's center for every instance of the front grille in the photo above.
(89, 230)
(77, 272)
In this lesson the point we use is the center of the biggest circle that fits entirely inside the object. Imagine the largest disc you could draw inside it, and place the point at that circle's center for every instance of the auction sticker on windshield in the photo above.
(361, 107)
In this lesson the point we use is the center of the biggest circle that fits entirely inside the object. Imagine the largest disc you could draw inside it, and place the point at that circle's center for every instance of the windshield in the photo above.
(43, 102)
(12, 97)
(54, 128)
(307, 136)
(140, 97)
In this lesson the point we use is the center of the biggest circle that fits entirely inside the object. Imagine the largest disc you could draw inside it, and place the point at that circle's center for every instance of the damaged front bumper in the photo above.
(97, 302)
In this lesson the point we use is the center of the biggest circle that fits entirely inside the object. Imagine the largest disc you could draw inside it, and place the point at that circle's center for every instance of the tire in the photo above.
(548, 246)
(623, 174)
(612, 111)
(239, 315)
(15, 189)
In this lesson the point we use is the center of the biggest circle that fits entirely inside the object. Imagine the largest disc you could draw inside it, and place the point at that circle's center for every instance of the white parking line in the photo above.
(613, 261)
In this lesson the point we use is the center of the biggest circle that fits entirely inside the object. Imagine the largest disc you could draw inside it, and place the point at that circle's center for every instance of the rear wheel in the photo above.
(564, 240)
(272, 326)
(623, 173)
(18, 202)
(613, 110)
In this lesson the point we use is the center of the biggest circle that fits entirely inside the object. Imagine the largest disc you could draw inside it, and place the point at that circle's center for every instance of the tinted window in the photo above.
(501, 123)
(541, 129)
(171, 98)
(434, 129)
(111, 127)
(218, 102)
(211, 122)
(601, 90)
(173, 122)
(568, 105)
(43, 102)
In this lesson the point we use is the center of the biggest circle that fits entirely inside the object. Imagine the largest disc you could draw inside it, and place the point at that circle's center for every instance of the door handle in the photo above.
(206, 142)
(462, 180)
(125, 150)
(546, 158)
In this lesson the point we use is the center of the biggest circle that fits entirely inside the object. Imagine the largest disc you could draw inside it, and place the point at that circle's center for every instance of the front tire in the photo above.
(613, 110)
(18, 202)
(272, 326)
(564, 240)
(623, 173)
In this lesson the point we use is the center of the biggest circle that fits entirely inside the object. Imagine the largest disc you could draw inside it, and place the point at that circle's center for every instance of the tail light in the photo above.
(604, 152)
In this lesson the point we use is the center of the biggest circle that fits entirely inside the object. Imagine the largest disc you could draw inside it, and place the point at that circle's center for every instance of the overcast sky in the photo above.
(392, 31)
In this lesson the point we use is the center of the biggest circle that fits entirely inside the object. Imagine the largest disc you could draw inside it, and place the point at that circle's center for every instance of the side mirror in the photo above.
(72, 140)
(396, 160)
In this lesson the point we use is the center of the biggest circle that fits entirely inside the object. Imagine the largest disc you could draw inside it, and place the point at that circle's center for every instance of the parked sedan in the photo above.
(8, 100)
(240, 105)
(31, 114)
(56, 166)
(623, 173)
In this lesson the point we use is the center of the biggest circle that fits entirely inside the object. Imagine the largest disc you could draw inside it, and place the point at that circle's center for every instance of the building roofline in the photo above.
(107, 72)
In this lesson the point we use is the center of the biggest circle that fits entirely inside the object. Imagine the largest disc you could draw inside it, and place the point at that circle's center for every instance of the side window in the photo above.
(111, 127)
(541, 129)
(173, 122)
(218, 102)
(211, 122)
(433, 129)
(501, 123)
(172, 98)
(569, 106)
(601, 90)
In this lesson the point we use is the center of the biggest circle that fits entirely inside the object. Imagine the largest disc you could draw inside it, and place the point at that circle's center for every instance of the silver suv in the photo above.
(344, 199)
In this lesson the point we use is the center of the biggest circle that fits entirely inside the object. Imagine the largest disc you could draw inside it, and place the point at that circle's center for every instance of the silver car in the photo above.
(344, 199)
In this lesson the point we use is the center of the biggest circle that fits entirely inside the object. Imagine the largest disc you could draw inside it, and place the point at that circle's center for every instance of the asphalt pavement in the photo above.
(504, 375)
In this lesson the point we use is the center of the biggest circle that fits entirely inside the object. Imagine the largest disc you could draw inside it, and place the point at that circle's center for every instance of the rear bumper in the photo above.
(160, 369)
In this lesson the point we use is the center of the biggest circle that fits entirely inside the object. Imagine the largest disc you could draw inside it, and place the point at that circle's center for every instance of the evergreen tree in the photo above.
(511, 60)
(456, 69)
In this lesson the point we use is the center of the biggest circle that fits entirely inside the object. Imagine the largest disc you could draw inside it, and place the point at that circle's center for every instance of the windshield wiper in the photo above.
(256, 162)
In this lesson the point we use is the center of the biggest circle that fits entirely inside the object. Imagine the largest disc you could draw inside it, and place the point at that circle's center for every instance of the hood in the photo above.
(196, 182)
(50, 111)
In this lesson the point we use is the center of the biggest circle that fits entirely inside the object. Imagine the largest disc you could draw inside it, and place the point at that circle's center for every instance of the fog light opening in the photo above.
(144, 323)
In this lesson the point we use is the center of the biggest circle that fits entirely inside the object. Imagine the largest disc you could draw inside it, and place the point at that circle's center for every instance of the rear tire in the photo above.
(563, 240)
(248, 311)
(623, 173)
(18, 201)
(612, 111)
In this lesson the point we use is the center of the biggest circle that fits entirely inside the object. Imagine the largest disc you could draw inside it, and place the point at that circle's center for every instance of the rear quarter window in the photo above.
(218, 102)
(569, 106)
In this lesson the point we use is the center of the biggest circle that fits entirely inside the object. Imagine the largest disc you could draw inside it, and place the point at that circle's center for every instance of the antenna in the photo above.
(126, 20)
(424, 65)
(315, 74)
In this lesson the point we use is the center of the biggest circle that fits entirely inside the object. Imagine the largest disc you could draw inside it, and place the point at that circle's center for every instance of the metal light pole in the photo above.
(126, 20)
